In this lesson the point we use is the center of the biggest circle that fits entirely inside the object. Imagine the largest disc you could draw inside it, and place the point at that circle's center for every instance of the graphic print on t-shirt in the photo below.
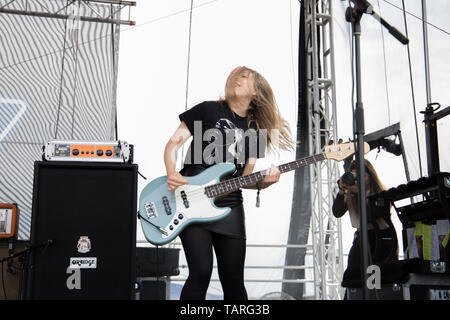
(231, 143)
(219, 135)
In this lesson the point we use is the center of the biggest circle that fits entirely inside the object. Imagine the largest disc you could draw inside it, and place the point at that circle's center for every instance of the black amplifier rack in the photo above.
(435, 190)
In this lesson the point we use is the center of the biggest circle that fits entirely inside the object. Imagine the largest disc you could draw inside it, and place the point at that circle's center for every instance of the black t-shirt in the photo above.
(220, 135)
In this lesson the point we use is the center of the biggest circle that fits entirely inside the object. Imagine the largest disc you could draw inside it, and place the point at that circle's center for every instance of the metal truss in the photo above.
(59, 9)
(325, 228)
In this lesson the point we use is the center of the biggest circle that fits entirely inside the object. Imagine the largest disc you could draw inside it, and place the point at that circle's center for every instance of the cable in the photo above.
(189, 54)
(95, 39)
(429, 23)
(114, 71)
(385, 70)
(61, 78)
(188, 67)
(352, 72)
(162, 230)
(174, 14)
(412, 89)
(3, 281)
(74, 33)
(171, 15)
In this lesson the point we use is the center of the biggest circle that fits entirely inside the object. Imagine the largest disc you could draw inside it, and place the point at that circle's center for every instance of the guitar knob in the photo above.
(180, 216)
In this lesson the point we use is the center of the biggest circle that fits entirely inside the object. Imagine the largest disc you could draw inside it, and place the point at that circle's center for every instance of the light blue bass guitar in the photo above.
(164, 214)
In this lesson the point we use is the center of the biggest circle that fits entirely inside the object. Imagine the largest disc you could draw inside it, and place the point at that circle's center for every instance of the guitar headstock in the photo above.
(341, 151)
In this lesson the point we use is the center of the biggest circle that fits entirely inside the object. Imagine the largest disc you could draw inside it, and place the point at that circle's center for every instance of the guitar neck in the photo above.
(234, 184)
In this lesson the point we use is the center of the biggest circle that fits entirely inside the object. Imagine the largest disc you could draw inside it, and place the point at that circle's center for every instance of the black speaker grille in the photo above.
(74, 200)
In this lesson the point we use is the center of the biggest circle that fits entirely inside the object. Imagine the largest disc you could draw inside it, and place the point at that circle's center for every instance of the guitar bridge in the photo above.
(150, 209)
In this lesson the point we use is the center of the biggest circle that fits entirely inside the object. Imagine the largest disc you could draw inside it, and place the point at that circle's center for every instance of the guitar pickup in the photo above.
(185, 200)
(166, 205)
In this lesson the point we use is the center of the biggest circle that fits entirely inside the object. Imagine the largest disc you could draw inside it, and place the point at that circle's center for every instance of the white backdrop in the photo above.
(263, 35)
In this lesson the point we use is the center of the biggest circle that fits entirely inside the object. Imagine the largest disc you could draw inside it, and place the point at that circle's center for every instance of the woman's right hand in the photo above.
(348, 189)
(174, 180)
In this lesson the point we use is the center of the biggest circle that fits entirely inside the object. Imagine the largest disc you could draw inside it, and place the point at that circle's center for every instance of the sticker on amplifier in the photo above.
(84, 244)
(83, 263)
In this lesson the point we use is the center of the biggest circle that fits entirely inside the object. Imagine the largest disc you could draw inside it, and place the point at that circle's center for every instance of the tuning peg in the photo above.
(330, 142)
(340, 141)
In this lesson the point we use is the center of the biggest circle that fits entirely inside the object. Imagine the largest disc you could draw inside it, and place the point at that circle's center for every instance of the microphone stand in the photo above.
(354, 15)
(26, 251)
(23, 253)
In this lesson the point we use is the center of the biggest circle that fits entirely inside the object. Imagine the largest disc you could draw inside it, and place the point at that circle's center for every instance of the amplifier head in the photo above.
(90, 151)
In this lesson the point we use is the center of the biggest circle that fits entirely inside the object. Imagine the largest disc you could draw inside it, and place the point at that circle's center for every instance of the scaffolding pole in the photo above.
(38, 10)
(325, 228)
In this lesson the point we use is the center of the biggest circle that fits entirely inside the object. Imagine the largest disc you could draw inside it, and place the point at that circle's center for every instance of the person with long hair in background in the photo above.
(382, 238)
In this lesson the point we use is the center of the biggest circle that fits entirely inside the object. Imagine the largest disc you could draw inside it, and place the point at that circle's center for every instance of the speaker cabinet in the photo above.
(153, 288)
(83, 231)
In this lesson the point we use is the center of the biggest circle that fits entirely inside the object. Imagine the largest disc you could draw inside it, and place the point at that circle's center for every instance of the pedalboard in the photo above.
(98, 151)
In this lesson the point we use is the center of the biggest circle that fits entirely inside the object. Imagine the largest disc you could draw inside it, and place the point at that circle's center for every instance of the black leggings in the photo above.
(198, 244)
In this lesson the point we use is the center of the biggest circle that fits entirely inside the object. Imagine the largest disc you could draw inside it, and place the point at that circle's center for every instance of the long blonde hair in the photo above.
(264, 114)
